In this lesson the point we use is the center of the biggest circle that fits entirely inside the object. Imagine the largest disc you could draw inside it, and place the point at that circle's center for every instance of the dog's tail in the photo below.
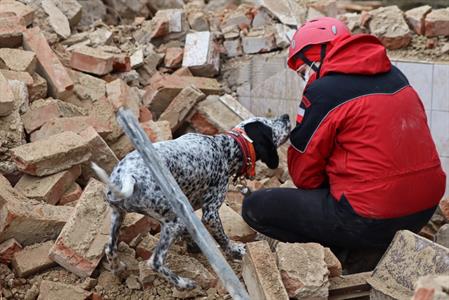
(128, 184)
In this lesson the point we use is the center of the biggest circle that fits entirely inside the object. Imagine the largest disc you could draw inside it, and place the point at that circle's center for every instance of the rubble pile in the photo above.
(180, 67)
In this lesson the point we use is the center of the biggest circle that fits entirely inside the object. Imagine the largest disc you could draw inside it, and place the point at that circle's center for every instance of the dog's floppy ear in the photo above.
(264, 146)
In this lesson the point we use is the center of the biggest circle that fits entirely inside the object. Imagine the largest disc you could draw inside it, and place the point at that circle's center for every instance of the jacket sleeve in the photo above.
(308, 168)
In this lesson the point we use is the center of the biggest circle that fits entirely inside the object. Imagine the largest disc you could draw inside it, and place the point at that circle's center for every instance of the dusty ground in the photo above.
(419, 50)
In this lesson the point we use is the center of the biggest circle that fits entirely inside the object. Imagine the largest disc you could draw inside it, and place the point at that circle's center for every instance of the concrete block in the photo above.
(7, 250)
(201, 55)
(180, 106)
(18, 60)
(7, 100)
(58, 21)
(22, 214)
(49, 66)
(437, 22)
(42, 111)
(92, 60)
(72, 194)
(80, 245)
(11, 31)
(49, 188)
(32, 259)
(416, 16)
(50, 156)
(408, 257)
(50, 290)
(18, 9)
(261, 274)
(258, 42)
(303, 270)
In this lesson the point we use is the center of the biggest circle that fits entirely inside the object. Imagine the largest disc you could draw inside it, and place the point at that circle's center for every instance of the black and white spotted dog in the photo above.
(202, 166)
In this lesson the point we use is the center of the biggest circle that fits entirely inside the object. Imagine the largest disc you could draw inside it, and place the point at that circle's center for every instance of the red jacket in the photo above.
(363, 131)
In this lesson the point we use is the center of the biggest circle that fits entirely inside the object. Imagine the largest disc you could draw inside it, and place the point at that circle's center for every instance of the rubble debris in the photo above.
(260, 273)
(92, 60)
(71, 9)
(136, 224)
(32, 259)
(7, 250)
(38, 88)
(258, 41)
(437, 22)
(389, 25)
(21, 214)
(72, 194)
(233, 47)
(432, 287)
(444, 208)
(18, 60)
(180, 106)
(49, 188)
(122, 146)
(289, 12)
(201, 55)
(349, 286)
(18, 9)
(173, 57)
(7, 99)
(11, 31)
(198, 20)
(416, 16)
(49, 66)
(80, 245)
(157, 131)
(303, 270)
(408, 257)
(92, 11)
(50, 156)
(57, 19)
(442, 236)
(50, 290)
(332, 262)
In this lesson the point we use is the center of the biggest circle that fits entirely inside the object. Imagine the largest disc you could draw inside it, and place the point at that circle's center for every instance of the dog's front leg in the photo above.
(117, 216)
(169, 232)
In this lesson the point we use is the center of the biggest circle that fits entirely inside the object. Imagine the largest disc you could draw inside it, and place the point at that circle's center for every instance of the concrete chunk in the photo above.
(303, 270)
(7, 99)
(20, 10)
(261, 274)
(21, 214)
(49, 66)
(80, 246)
(289, 12)
(50, 156)
(18, 60)
(233, 47)
(58, 21)
(180, 106)
(442, 236)
(49, 188)
(201, 55)
(71, 9)
(258, 42)
(7, 250)
(50, 290)
(92, 60)
(416, 16)
(437, 22)
(11, 31)
(32, 259)
(408, 257)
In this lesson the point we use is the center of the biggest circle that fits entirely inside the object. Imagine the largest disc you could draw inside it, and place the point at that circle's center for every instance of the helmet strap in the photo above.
(308, 62)
(322, 55)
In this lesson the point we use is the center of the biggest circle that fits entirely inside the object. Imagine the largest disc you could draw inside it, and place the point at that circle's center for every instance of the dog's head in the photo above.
(267, 135)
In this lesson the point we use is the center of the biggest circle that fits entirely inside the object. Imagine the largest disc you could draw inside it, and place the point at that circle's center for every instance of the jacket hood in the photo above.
(361, 54)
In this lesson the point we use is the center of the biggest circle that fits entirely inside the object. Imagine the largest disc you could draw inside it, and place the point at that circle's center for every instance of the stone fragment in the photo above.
(49, 66)
(416, 16)
(92, 11)
(102, 110)
(442, 236)
(432, 287)
(332, 262)
(201, 55)
(80, 245)
(92, 60)
(7, 250)
(262, 17)
(119, 95)
(58, 21)
(17, 9)
(258, 42)
(150, 63)
(7, 99)
(71, 9)
(24, 77)
(88, 88)
(289, 12)
(18, 60)
(173, 57)
(11, 31)
(303, 270)
(167, 24)
(444, 208)
(283, 35)
(50, 156)
(408, 257)
(50, 290)
(32, 259)
(437, 22)
(198, 20)
(38, 89)
(157, 131)
(260, 273)
(136, 59)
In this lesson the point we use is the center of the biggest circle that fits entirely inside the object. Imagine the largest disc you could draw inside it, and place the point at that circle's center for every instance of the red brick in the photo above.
(50, 290)
(80, 246)
(25, 77)
(135, 224)
(416, 16)
(49, 66)
(25, 12)
(75, 124)
(173, 57)
(122, 146)
(11, 31)
(157, 131)
(183, 72)
(145, 114)
(7, 99)
(103, 111)
(50, 156)
(424, 294)
(32, 259)
(72, 194)
(202, 124)
(20, 215)
(444, 206)
(92, 60)
(437, 22)
(7, 250)
(49, 188)
(121, 63)
(119, 95)
(42, 111)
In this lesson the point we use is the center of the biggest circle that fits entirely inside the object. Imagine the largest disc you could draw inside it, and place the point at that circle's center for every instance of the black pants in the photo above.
(294, 215)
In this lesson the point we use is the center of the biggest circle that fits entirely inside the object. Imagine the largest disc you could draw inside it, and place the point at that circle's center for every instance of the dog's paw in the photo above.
(185, 284)
(236, 250)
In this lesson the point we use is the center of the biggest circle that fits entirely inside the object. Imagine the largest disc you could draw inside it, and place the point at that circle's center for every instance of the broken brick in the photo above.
(50, 290)
(201, 55)
(119, 94)
(20, 10)
(7, 250)
(122, 146)
(260, 273)
(135, 224)
(18, 60)
(72, 194)
(49, 66)
(444, 207)
(180, 106)
(92, 60)
(49, 188)
(32, 259)
(332, 262)
(157, 131)
(437, 22)
(58, 21)
(80, 245)
(173, 57)
(50, 156)
(21, 214)
(416, 16)
(11, 31)
(7, 99)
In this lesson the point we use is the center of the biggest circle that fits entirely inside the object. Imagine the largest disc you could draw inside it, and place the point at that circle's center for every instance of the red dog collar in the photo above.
(249, 154)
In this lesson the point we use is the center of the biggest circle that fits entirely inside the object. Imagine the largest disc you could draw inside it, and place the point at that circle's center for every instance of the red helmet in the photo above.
(313, 32)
